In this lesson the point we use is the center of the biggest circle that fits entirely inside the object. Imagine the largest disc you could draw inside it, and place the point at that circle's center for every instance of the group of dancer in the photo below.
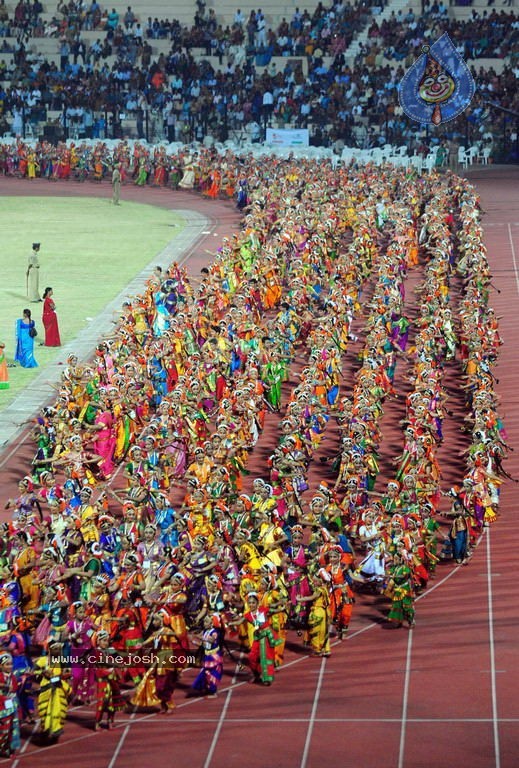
(137, 163)
(140, 525)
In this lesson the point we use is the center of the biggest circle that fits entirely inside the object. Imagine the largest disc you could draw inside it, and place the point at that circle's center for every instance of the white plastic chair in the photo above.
(464, 158)
(346, 154)
(483, 157)
(417, 162)
(429, 162)
(471, 154)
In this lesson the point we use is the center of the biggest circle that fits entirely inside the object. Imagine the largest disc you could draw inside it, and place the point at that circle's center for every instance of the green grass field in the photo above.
(89, 252)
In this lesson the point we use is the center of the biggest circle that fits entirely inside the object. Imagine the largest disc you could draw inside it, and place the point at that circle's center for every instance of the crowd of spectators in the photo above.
(401, 37)
(180, 95)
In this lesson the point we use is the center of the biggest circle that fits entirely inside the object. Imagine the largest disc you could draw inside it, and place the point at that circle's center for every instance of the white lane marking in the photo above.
(223, 713)
(405, 700)
(122, 739)
(497, 750)
(311, 722)
(17, 445)
(514, 260)
(22, 750)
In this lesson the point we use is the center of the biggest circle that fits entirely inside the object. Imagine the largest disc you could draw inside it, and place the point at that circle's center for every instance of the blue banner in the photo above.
(439, 86)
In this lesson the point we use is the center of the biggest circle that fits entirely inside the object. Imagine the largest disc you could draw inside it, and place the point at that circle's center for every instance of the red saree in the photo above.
(50, 323)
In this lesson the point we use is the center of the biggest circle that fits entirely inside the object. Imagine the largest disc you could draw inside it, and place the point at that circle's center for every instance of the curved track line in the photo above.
(514, 260)
(24, 435)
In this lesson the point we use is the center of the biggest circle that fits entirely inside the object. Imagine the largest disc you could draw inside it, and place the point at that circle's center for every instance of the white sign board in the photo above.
(287, 137)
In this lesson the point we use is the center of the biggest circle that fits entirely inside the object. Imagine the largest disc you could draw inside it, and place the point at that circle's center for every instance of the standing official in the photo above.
(33, 274)
(116, 184)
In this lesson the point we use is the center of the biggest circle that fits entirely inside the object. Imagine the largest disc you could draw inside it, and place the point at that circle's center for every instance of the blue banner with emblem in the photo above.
(438, 86)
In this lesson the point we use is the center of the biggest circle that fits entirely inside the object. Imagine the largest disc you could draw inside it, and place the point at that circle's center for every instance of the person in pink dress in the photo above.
(104, 439)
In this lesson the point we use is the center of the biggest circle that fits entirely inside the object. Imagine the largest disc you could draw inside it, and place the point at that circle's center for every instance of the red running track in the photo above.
(439, 696)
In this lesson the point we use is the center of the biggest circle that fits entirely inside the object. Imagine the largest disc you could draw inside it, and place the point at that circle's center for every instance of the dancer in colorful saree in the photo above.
(53, 694)
(262, 654)
(400, 589)
(209, 677)
(108, 693)
(317, 635)
(9, 706)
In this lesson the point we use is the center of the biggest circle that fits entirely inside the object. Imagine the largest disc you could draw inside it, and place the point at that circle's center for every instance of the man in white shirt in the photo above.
(268, 106)
(34, 97)
(261, 26)
(305, 110)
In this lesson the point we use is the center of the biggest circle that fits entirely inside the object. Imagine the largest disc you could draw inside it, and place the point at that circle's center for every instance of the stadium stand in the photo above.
(89, 71)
